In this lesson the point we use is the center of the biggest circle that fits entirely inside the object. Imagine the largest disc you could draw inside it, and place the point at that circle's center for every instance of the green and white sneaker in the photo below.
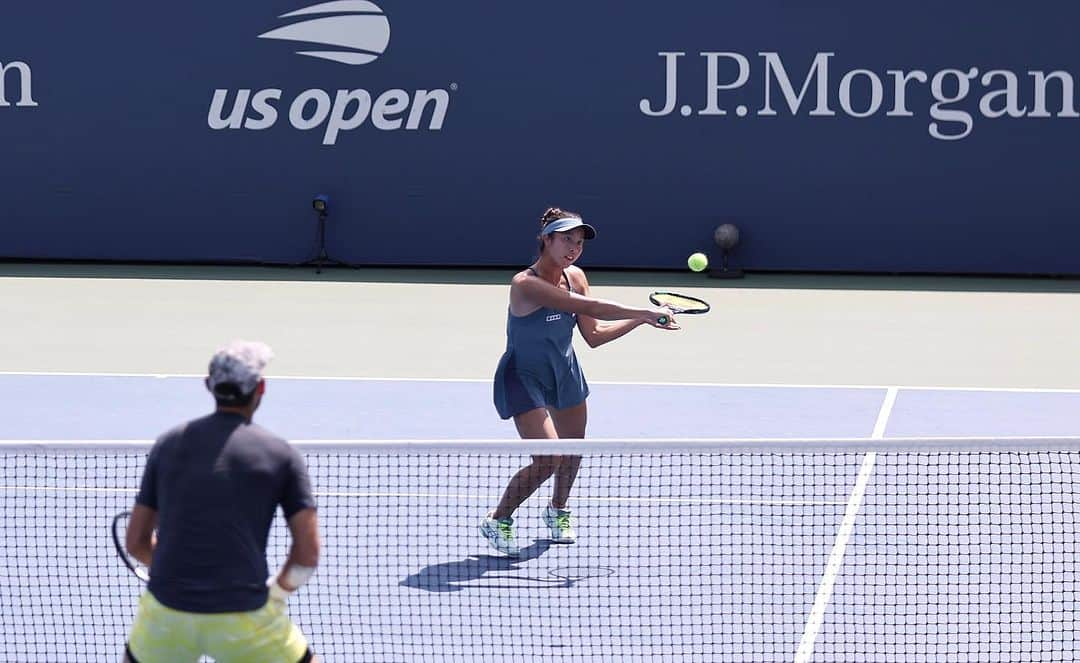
(500, 534)
(558, 521)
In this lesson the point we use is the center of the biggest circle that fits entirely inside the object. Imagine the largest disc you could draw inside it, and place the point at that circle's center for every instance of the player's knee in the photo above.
(544, 466)
(568, 464)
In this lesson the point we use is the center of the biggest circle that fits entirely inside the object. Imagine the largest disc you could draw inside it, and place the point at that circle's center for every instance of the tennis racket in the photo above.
(678, 303)
(119, 533)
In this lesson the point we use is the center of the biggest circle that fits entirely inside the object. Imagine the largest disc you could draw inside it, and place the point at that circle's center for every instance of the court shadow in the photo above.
(453, 576)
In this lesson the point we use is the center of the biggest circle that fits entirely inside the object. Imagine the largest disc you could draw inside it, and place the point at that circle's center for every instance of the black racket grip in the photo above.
(663, 320)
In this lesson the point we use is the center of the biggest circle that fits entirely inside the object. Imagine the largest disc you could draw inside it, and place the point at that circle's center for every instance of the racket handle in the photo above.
(663, 320)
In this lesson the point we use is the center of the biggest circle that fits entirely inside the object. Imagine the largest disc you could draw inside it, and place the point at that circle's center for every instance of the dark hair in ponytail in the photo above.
(553, 214)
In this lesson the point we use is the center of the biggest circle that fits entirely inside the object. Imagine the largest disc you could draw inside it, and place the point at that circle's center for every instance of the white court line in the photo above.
(836, 556)
(740, 385)
(884, 413)
(577, 498)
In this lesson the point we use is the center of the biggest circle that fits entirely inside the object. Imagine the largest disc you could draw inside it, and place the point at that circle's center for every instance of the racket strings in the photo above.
(679, 302)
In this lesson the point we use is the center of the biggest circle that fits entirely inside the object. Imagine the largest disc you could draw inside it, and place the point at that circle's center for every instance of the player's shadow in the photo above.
(453, 576)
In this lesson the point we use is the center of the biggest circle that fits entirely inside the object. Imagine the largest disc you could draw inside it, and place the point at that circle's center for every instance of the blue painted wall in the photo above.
(110, 150)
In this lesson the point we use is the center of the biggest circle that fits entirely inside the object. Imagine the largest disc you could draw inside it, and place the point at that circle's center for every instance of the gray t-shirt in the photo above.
(216, 483)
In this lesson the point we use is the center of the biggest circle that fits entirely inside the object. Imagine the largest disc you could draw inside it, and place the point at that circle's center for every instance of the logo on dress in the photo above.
(553, 317)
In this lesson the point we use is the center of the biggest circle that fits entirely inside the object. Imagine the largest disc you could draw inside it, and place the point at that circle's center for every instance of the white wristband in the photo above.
(277, 592)
(298, 575)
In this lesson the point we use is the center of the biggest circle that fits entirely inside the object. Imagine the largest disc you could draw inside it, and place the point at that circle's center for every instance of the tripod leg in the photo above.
(322, 244)
(322, 256)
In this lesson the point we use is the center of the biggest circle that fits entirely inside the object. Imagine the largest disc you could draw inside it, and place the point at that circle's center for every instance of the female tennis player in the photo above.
(539, 382)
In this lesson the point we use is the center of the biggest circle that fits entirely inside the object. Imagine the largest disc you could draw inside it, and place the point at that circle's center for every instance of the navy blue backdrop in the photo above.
(110, 149)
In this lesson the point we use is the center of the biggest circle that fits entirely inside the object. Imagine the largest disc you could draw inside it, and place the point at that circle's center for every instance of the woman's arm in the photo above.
(592, 330)
(605, 332)
(540, 293)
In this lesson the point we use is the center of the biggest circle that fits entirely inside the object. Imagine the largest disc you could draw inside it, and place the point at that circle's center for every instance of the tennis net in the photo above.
(809, 550)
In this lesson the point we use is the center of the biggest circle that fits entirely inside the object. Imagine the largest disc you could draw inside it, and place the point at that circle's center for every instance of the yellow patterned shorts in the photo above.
(163, 635)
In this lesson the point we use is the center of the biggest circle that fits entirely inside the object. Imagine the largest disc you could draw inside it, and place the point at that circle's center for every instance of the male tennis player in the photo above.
(211, 487)
(538, 381)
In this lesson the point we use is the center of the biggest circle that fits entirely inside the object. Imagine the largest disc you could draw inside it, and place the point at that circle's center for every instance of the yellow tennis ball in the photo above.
(697, 262)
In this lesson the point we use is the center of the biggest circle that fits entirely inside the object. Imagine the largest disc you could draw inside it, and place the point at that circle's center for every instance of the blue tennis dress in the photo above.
(539, 367)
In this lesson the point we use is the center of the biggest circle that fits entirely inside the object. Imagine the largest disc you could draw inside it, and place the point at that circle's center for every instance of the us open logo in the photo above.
(350, 32)
(357, 25)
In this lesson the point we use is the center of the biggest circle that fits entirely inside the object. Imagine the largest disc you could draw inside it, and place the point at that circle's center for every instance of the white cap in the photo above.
(566, 224)
(241, 364)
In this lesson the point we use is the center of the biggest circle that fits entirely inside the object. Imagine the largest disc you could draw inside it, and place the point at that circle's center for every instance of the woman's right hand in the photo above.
(653, 317)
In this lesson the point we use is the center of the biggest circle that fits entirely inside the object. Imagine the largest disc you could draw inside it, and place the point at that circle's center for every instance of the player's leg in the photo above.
(569, 423)
(532, 425)
(497, 527)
